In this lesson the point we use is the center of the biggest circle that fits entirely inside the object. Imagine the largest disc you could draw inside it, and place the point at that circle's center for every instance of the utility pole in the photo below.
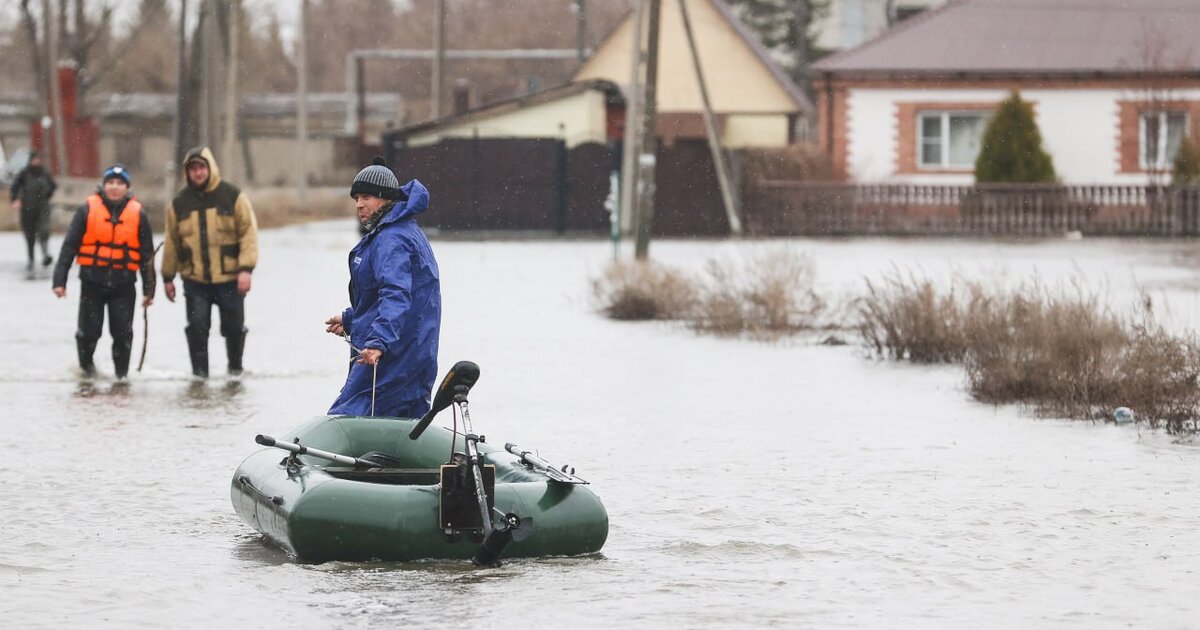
(61, 165)
(302, 104)
(231, 89)
(724, 179)
(581, 29)
(206, 19)
(649, 143)
(627, 206)
(180, 88)
(802, 17)
(439, 60)
(210, 85)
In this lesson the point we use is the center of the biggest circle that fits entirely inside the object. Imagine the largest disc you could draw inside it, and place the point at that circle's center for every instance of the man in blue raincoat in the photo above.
(395, 309)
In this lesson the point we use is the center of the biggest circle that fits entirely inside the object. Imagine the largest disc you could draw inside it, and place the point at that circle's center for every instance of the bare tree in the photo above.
(37, 56)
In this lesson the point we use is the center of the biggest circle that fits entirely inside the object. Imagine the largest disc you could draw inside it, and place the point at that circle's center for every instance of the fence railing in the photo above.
(820, 208)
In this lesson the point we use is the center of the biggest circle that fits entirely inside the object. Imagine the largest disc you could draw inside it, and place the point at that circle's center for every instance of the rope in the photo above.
(454, 434)
(374, 370)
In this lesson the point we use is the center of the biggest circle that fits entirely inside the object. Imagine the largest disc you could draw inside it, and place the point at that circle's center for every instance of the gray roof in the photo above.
(319, 103)
(149, 105)
(1035, 36)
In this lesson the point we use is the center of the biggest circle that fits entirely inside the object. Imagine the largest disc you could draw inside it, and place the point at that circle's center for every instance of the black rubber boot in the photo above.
(234, 344)
(121, 352)
(198, 350)
(86, 351)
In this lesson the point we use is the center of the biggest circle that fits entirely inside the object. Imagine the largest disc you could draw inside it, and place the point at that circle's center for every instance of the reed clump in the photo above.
(761, 297)
(644, 291)
(764, 297)
(1062, 353)
(902, 317)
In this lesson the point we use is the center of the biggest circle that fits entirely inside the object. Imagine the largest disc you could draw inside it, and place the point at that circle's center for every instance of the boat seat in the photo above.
(388, 476)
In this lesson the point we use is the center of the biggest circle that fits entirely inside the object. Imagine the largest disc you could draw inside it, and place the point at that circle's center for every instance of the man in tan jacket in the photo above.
(212, 241)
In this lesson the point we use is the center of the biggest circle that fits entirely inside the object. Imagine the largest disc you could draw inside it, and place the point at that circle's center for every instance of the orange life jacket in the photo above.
(108, 244)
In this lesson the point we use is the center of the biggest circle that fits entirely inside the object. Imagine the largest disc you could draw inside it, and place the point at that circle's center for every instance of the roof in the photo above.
(750, 39)
(764, 56)
(319, 103)
(1034, 36)
(151, 105)
(610, 90)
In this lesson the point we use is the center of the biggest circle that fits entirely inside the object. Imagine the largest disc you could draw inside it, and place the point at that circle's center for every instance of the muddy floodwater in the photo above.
(747, 484)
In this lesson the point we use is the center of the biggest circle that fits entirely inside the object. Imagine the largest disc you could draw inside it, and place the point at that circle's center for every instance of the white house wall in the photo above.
(755, 130)
(1079, 129)
(578, 119)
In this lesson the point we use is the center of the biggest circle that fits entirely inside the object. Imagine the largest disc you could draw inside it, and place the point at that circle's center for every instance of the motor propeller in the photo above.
(458, 381)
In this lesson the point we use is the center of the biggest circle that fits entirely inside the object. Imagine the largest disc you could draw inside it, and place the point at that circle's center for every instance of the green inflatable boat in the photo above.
(366, 488)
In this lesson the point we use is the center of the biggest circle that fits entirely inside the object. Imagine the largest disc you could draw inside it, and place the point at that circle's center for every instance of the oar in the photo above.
(299, 449)
(146, 313)
(528, 458)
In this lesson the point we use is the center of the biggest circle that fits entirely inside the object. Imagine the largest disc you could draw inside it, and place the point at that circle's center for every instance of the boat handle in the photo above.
(245, 481)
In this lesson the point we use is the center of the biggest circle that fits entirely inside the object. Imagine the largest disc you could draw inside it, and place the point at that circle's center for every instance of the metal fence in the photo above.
(783, 208)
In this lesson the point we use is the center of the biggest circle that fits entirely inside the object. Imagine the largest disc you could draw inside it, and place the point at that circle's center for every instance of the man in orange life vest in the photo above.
(111, 237)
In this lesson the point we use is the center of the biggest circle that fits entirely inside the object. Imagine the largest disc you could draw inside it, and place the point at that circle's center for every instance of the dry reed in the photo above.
(905, 318)
(765, 297)
(1063, 353)
(644, 290)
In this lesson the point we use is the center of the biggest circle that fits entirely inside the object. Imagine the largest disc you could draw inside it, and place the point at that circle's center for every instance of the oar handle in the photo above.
(420, 428)
(528, 458)
(300, 449)
(457, 382)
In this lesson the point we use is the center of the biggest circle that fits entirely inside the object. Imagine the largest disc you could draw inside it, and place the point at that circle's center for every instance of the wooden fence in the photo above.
(786, 208)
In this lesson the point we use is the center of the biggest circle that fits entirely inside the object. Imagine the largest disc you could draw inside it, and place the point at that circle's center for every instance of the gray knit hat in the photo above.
(376, 180)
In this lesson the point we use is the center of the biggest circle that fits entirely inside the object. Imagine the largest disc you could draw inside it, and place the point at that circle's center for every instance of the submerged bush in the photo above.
(1160, 372)
(1064, 354)
(905, 318)
(644, 290)
(764, 297)
(1059, 353)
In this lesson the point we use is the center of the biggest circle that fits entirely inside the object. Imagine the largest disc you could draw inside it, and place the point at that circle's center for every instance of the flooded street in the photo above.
(747, 484)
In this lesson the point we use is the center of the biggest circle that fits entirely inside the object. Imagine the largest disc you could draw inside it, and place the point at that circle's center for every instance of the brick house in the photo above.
(1114, 84)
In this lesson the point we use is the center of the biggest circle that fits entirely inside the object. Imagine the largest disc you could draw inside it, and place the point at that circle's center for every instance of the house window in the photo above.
(951, 140)
(1161, 133)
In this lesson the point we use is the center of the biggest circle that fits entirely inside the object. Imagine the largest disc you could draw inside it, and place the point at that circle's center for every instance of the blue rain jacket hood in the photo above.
(395, 306)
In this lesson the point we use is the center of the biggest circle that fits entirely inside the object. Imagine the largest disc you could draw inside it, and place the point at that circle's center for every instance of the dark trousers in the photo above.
(200, 299)
(35, 223)
(119, 300)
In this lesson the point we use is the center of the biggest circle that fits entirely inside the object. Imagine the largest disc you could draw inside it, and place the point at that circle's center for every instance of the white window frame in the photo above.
(1163, 160)
(945, 115)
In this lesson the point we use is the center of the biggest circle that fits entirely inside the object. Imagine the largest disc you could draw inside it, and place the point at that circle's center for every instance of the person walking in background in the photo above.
(30, 195)
(395, 313)
(111, 237)
(212, 241)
